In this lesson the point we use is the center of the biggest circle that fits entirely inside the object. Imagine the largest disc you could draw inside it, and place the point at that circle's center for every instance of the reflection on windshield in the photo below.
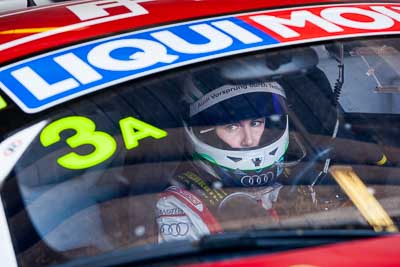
(246, 143)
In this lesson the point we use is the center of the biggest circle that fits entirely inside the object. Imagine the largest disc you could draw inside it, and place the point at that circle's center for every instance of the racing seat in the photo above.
(317, 114)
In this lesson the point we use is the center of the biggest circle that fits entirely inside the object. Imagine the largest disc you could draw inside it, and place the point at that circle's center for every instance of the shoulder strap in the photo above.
(196, 205)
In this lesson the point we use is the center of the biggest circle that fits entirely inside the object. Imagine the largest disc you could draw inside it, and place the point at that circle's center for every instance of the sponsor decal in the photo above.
(175, 229)
(170, 212)
(52, 78)
(47, 80)
(257, 180)
(103, 8)
(188, 197)
(196, 205)
(104, 144)
(229, 91)
(213, 195)
(83, 13)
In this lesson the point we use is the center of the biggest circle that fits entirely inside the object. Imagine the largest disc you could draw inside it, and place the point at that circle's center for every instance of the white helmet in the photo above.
(215, 98)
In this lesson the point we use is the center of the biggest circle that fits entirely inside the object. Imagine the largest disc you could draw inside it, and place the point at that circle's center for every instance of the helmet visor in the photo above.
(259, 108)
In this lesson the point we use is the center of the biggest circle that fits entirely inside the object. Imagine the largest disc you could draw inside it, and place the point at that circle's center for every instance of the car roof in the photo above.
(37, 29)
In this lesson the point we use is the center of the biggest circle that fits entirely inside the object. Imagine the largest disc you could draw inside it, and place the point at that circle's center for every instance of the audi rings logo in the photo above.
(262, 179)
(175, 229)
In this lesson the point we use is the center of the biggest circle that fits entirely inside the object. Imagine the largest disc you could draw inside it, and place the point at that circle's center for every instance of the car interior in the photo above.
(112, 205)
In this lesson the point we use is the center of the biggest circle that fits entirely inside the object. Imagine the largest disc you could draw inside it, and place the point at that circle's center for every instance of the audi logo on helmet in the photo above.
(262, 179)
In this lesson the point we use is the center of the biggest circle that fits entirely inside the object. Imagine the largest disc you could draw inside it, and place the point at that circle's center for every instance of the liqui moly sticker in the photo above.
(49, 79)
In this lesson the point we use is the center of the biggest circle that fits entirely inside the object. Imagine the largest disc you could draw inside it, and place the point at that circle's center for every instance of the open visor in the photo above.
(262, 102)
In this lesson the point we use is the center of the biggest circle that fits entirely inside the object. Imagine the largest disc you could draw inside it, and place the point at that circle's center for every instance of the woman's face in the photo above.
(243, 134)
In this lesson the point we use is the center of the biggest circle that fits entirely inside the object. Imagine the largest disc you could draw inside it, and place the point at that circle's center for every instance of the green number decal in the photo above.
(103, 143)
(3, 103)
(133, 130)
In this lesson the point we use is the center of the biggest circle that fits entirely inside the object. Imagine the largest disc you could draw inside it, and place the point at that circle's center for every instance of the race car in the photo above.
(200, 133)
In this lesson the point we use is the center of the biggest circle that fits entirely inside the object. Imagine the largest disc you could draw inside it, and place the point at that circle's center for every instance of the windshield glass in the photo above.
(294, 138)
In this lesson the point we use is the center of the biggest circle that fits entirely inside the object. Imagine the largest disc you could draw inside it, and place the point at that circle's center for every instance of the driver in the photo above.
(237, 130)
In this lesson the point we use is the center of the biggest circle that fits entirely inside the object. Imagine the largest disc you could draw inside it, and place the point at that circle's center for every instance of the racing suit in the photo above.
(196, 204)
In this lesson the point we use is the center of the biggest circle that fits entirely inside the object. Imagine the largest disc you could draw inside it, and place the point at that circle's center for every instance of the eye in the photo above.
(231, 127)
(257, 122)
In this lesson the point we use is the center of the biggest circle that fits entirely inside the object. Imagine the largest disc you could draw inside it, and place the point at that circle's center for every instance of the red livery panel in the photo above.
(370, 253)
(37, 29)
(316, 22)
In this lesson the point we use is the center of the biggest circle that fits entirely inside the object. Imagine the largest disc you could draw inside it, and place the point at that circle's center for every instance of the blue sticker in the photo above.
(44, 81)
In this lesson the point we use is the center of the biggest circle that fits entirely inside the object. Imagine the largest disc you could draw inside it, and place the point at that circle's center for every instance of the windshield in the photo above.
(294, 138)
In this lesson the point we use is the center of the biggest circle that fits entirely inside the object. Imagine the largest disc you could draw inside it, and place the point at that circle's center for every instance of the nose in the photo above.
(247, 140)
